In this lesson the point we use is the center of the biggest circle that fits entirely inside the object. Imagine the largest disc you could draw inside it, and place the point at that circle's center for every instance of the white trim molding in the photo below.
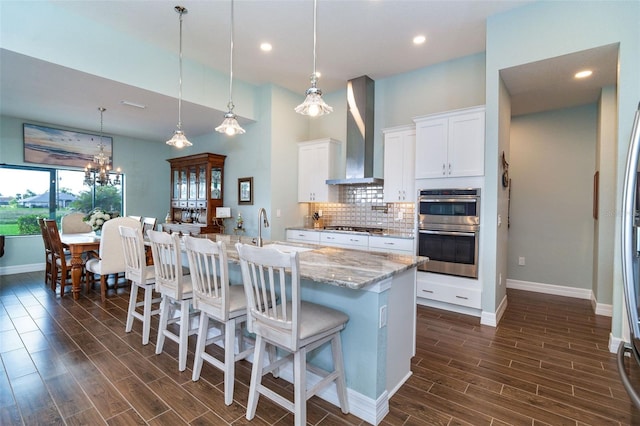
(493, 318)
(20, 269)
(614, 343)
(558, 290)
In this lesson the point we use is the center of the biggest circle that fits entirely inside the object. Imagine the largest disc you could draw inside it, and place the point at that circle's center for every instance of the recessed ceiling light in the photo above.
(266, 47)
(583, 74)
(419, 39)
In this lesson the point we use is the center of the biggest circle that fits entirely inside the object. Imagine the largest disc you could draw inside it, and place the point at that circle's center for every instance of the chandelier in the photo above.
(313, 104)
(99, 173)
(230, 124)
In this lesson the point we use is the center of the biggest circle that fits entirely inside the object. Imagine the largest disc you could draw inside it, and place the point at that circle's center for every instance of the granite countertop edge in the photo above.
(390, 234)
(353, 269)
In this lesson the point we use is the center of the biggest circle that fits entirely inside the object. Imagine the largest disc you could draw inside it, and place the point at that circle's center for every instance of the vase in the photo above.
(98, 232)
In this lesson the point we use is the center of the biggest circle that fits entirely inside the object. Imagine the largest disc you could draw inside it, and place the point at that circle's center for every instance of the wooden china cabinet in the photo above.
(197, 183)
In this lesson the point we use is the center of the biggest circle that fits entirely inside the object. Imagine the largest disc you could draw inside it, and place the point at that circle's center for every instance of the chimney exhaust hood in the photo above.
(360, 106)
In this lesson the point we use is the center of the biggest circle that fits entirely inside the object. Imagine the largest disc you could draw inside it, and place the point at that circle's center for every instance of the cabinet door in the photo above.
(306, 173)
(466, 144)
(431, 149)
(408, 167)
(399, 166)
(393, 165)
(316, 164)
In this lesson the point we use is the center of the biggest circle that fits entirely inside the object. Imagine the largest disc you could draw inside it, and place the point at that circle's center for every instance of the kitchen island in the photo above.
(377, 291)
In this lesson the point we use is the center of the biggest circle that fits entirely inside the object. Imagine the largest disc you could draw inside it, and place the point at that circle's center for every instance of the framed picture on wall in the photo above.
(45, 145)
(245, 190)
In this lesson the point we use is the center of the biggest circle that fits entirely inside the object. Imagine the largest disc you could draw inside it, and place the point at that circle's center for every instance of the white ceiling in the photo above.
(355, 37)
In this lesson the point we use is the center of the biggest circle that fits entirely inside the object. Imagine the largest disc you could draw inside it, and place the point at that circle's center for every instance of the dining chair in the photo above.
(142, 277)
(148, 223)
(48, 253)
(110, 258)
(138, 218)
(73, 223)
(175, 290)
(61, 265)
(293, 325)
(225, 304)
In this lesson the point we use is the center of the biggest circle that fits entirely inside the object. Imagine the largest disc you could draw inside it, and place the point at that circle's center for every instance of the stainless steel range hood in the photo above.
(360, 105)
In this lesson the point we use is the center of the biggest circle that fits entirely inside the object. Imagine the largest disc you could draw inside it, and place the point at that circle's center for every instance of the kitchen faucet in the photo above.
(266, 225)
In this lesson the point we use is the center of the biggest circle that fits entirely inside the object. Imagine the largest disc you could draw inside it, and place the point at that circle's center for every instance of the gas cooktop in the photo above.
(362, 229)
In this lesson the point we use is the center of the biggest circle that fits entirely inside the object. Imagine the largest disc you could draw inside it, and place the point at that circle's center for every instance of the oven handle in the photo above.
(449, 233)
(448, 200)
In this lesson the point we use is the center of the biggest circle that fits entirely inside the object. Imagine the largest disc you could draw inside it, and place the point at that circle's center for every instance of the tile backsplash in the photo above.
(362, 205)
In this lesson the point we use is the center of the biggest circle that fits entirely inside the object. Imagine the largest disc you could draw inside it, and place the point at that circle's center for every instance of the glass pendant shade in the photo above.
(230, 125)
(179, 140)
(313, 104)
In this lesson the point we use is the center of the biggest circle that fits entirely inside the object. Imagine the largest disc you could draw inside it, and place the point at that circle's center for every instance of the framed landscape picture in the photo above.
(45, 145)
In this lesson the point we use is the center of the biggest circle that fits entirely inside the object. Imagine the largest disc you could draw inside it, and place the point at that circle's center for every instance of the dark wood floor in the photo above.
(67, 362)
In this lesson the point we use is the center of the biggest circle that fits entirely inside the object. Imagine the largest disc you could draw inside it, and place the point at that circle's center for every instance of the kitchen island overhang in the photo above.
(378, 292)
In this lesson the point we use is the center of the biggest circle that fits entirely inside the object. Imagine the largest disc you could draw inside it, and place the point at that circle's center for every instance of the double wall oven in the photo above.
(448, 230)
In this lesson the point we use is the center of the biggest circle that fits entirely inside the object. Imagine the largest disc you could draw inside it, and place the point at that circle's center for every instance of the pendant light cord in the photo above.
(315, 11)
(230, 106)
(181, 11)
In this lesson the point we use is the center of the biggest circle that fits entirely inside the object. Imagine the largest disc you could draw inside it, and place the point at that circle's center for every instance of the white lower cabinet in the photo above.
(353, 241)
(463, 294)
(391, 245)
(303, 236)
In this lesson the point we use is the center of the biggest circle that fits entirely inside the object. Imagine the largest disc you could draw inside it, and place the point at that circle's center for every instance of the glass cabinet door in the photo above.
(192, 183)
(176, 184)
(216, 183)
(202, 183)
(183, 184)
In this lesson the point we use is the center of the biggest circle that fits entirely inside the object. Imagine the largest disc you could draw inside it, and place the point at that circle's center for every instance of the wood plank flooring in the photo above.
(70, 362)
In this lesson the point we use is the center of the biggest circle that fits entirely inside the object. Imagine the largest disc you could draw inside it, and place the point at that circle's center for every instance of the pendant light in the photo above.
(313, 104)
(179, 140)
(230, 124)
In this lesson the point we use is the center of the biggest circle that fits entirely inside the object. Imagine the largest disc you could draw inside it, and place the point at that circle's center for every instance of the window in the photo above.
(27, 193)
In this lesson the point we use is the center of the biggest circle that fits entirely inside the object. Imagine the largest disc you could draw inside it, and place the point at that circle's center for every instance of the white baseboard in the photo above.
(19, 269)
(614, 343)
(558, 290)
(492, 319)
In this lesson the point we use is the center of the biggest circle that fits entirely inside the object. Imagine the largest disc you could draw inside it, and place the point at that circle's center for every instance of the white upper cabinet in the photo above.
(318, 160)
(399, 164)
(450, 144)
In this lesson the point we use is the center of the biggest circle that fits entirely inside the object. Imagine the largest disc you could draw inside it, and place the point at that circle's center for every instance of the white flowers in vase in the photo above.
(96, 218)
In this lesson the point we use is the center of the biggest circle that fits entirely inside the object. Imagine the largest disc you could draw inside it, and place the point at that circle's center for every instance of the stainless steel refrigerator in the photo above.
(631, 263)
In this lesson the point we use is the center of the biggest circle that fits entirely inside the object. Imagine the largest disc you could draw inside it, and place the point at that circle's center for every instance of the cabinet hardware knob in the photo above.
(462, 297)
(427, 291)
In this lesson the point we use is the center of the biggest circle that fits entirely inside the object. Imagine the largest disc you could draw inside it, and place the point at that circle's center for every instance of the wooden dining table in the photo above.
(77, 244)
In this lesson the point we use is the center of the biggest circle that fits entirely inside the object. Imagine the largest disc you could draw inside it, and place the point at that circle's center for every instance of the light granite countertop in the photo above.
(354, 269)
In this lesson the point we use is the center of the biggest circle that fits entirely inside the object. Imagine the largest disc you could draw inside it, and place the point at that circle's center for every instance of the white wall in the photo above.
(552, 166)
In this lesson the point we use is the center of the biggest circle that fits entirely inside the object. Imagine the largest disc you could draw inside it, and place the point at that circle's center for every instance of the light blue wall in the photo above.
(552, 162)
(544, 30)
(398, 99)
(146, 174)
(41, 29)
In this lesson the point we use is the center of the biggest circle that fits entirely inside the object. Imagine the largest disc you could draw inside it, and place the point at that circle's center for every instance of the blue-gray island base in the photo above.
(378, 292)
